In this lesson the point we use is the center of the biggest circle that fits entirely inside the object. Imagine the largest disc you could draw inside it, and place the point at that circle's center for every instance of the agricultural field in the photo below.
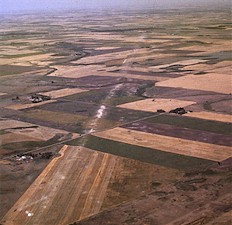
(113, 118)
(101, 181)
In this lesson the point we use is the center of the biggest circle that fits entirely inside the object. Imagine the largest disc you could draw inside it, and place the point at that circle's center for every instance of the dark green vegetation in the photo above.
(143, 154)
(2, 132)
(114, 101)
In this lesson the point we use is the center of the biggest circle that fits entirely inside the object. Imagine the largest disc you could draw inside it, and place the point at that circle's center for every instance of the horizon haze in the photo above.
(11, 6)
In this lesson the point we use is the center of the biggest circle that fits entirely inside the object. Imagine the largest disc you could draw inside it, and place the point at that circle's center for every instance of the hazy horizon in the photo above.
(9, 6)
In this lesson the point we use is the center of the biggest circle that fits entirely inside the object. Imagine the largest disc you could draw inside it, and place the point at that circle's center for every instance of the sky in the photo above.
(36, 5)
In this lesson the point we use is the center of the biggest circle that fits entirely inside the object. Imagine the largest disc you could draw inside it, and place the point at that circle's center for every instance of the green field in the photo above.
(185, 163)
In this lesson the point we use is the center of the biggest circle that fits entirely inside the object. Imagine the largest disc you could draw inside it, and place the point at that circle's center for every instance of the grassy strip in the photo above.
(3, 132)
(194, 123)
(185, 163)
(114, 101)
(22, 55)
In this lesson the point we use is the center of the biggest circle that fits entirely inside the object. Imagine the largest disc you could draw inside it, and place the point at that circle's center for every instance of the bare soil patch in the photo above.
(11, 138)
(220, 83)
(94, 182)
(106, 48)
(20, 106)
(31, 130)
(32, 59)
(152, 105)
(97, 70)
(63, 92)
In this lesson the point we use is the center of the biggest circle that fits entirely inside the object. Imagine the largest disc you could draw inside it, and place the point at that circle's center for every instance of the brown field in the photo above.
(152, 208)
(106, 48)
(48, 193)
(168, 144)
(100, 36)
(9, 124)
(63, 92)
(211, 116)
(220, 83)
(31, 130)
(184, 63)
(223, 70)
(221, 67)
(209, 212)
(145, 57)
(218, 45)
(11, 138)
(43, 133)
(111, 56)
(1, 94)
(14, 51)
(225, 218)
(80, 183)
(99, 70)
(16, 177)
(27, 106)
(152, 105)
(40, 59)
(4, 162)
(77, 71)
(52, 116)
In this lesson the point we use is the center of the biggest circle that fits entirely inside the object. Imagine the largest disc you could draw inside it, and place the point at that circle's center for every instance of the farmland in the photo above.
(98, 176)
(113, 118)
